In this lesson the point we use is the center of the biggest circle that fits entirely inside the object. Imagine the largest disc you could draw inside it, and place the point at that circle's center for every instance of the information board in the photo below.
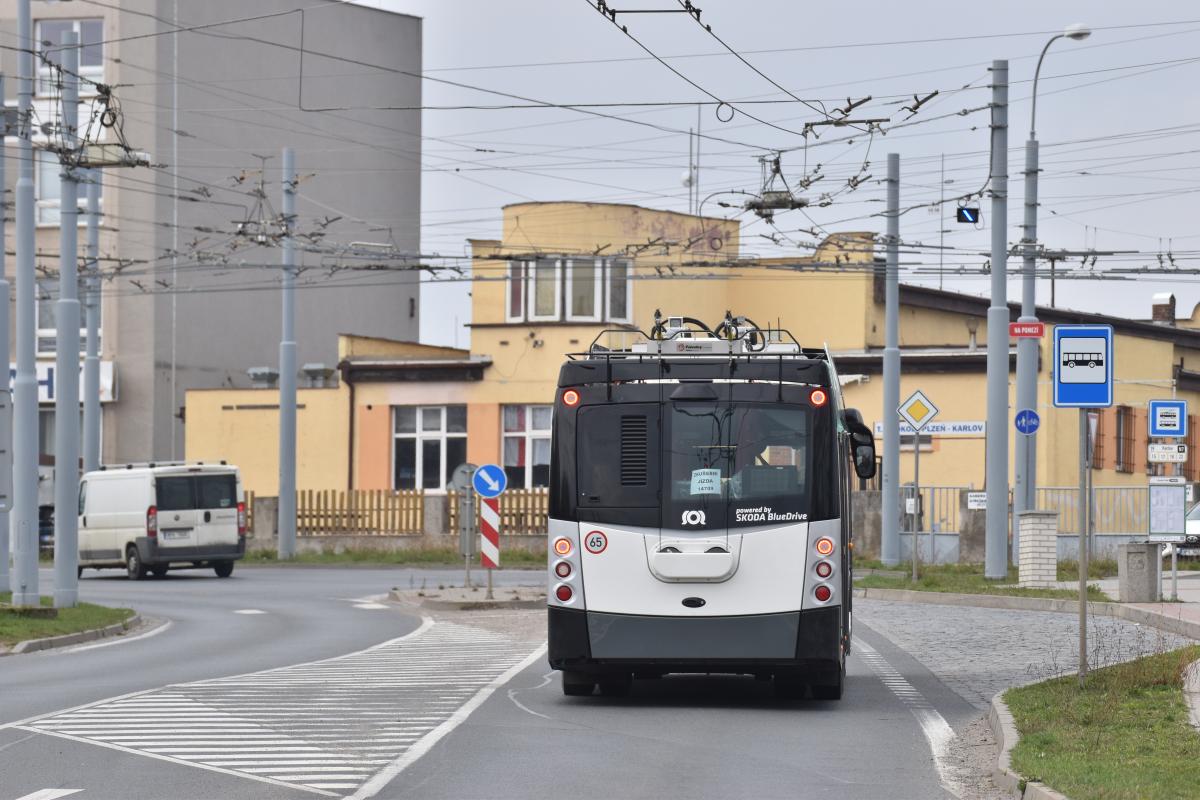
(1168, 509)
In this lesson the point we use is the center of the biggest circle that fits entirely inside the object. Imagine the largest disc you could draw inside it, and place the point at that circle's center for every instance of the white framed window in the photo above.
(585, 289)
(47, 37)
(526, 430)
(618, 290)
(428, 442)
(544, 289)
(514, 291)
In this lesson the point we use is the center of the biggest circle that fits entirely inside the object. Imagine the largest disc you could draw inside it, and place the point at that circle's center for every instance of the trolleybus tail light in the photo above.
(822, 593)
(562, 547)
(563, 593)
(562, 569)
(818, 397)
(570, 398)
(825, 546)
(824, 569)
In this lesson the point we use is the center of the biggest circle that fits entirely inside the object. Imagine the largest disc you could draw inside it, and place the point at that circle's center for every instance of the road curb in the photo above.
(1155, 619)
(1004, 729)
(68, 639)
(467, 605)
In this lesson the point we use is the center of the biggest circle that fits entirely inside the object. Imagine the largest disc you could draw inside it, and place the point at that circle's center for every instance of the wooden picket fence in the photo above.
(522, 512)
(360, 511)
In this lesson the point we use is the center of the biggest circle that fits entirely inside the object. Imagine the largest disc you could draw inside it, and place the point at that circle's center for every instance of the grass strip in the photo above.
(967, 579)
(423, 556)
(15, 627)
(1124, 736)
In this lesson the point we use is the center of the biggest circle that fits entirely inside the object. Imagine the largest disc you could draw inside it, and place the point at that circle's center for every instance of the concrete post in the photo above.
(287, 371)
(66, 347)
(25, 400)
(996, 555)
(890, 536)
(5, 581)
(91, 362)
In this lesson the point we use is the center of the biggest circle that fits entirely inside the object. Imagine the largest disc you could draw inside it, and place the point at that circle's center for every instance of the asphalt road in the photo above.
(222, 703)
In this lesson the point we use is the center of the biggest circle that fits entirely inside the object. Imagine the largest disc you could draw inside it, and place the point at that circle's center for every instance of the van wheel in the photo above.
(223, 569)
(159, 570)
(133, 564)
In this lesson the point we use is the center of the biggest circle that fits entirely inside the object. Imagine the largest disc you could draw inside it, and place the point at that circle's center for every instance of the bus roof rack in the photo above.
(152, 464)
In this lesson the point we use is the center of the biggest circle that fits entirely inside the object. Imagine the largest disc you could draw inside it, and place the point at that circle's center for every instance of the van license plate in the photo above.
(177, 533)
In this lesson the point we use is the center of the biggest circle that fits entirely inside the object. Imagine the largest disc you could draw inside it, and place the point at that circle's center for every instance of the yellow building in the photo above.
(403, 415)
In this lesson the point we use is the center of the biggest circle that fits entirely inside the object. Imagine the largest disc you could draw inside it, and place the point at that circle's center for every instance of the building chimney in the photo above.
(317, 376)
(1163, 309)
(263, 377)
(972, 327)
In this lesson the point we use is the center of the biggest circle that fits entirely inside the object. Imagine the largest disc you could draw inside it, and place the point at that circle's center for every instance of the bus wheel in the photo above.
(617, 685)
(577, 684)
(831, 691)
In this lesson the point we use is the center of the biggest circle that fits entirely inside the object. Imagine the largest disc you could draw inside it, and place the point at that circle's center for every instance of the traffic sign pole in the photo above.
(1084, 521)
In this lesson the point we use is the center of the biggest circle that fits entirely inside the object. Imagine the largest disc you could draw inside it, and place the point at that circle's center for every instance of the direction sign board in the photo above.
(1083, 366)
(1168, 509)
(1027, 421)
(1026, 330)
(490, 481)
(1168, 418)
(1166, 453)
(917, 410)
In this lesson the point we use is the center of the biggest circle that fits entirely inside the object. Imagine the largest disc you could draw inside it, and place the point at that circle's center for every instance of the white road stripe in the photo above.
(162, 628)
(249, 611)
(50, 794)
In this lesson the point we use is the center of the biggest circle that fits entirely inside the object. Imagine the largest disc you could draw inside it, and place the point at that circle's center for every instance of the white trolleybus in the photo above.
(700, 509)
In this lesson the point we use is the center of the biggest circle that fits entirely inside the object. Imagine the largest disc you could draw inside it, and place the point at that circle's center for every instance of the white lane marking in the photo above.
(249, 611)
(369, 606)
(937, 731)
(155, 631)
(512, 695)
(388, 773)
(50, 794)
(160, 757)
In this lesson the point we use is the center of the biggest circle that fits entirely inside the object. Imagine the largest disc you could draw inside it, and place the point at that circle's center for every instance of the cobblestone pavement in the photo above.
(978, 652)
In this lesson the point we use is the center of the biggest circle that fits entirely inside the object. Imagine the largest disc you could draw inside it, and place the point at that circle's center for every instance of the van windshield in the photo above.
(188, 492)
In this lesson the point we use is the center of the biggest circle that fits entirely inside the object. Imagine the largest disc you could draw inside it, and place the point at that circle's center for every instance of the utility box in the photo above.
(1137, 572)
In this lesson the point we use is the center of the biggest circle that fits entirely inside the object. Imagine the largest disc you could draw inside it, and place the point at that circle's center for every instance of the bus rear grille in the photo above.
(635, 451)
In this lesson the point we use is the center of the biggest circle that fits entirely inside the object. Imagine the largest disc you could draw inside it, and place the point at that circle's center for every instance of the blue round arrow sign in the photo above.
(490, 480)
(1027, 421)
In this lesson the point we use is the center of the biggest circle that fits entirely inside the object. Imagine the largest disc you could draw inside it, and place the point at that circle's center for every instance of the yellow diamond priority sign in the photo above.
(918, 410)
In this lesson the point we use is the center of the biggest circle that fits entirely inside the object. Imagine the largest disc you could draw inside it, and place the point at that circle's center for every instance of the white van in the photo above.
(150, 518)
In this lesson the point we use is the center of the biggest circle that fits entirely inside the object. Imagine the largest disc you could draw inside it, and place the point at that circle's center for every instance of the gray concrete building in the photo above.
(207, 88)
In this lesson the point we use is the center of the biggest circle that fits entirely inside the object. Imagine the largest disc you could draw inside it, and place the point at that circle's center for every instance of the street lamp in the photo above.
(1025, 496)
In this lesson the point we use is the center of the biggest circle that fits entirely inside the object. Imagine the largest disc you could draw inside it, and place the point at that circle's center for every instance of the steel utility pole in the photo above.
(996, 531)
(5, 582)
(287, 371)
(25, 400)
(1025, 473)
(890, 535)
(91, 362)
(66, 344)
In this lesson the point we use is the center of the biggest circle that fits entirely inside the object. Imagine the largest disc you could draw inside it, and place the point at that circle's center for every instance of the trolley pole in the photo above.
(996, 531)
(287, 371)
(25, 401)
(890, 535)
(66, 345)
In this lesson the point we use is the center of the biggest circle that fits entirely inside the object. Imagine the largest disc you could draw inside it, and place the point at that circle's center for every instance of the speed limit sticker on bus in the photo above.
(595, 542)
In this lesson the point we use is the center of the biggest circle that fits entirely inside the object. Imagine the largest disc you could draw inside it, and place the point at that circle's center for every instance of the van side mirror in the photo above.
(862, 443)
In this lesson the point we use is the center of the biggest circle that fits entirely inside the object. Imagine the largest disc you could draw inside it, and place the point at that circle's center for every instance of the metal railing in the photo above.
(1115, 509)
(939, 505)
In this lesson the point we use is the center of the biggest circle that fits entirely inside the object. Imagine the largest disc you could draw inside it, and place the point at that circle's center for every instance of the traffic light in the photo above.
(967, 214)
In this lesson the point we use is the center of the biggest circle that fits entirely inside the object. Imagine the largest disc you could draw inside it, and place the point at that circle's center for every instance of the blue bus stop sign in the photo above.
(1027, 421)
(489, 481)
(1083, 366)
(1168, 419)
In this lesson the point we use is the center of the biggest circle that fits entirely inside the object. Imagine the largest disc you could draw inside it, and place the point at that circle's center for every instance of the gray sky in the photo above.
(1120, 141)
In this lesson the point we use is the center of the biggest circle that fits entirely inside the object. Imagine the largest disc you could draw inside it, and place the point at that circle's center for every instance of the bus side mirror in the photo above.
(862, 444)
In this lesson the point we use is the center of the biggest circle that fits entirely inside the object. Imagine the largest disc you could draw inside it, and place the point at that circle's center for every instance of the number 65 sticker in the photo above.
(595, 542)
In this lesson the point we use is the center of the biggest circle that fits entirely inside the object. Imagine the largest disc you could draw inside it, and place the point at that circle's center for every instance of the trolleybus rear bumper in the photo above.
(590, 641)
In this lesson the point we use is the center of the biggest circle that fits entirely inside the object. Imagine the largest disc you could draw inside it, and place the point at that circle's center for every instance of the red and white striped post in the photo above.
(489, 530)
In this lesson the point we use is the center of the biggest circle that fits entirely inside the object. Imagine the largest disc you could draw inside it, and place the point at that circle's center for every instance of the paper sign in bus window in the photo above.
(1083, 360)
(706, 481)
